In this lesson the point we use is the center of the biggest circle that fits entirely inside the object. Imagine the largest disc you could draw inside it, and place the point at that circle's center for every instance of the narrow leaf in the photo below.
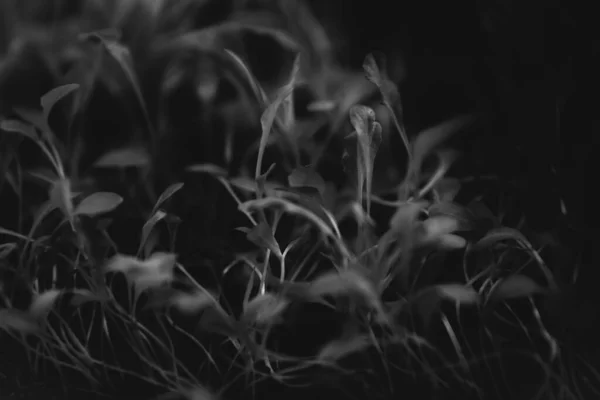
(265, 308)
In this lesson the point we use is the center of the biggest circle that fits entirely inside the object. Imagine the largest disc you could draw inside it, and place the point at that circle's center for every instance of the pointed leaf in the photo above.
(267, 119)
(149, 226)
(262, 236)
(98, 203)
(515, 286)
(170, 191)
(50, 99)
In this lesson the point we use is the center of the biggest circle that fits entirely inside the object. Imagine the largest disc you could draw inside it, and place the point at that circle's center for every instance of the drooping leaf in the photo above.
(262, 236)
(514, 286)
(124, 157)
(500, 234)
(265, 308)
(98, 203)
(16, 126)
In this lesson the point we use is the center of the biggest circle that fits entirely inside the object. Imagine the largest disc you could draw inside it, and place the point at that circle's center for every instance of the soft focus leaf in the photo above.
(16, 126)
(514, 286)
(43, 303)
(265, 308)
(124, 157)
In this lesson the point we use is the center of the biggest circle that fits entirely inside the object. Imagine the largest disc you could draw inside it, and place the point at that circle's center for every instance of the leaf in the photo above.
(403, 220)
(124, 157)
(150, 273)
(446, 189)
(268, 117)
(265, 308)
(340, 348)
(460, 293)
(149, 226)
(347, 282)
(514, 286)
(438, 226)
(50, 99)
(98, 203)
(192, 303)
(378, 76)
(447, 208)
(12, 319)
(60, 196)
(360, 154)
(500, 234)
(82, 296)
(307, 177)
(262, 236)
(16, 126)
(170, 191)
(42, 304)
(210, 169)
(429, 139)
